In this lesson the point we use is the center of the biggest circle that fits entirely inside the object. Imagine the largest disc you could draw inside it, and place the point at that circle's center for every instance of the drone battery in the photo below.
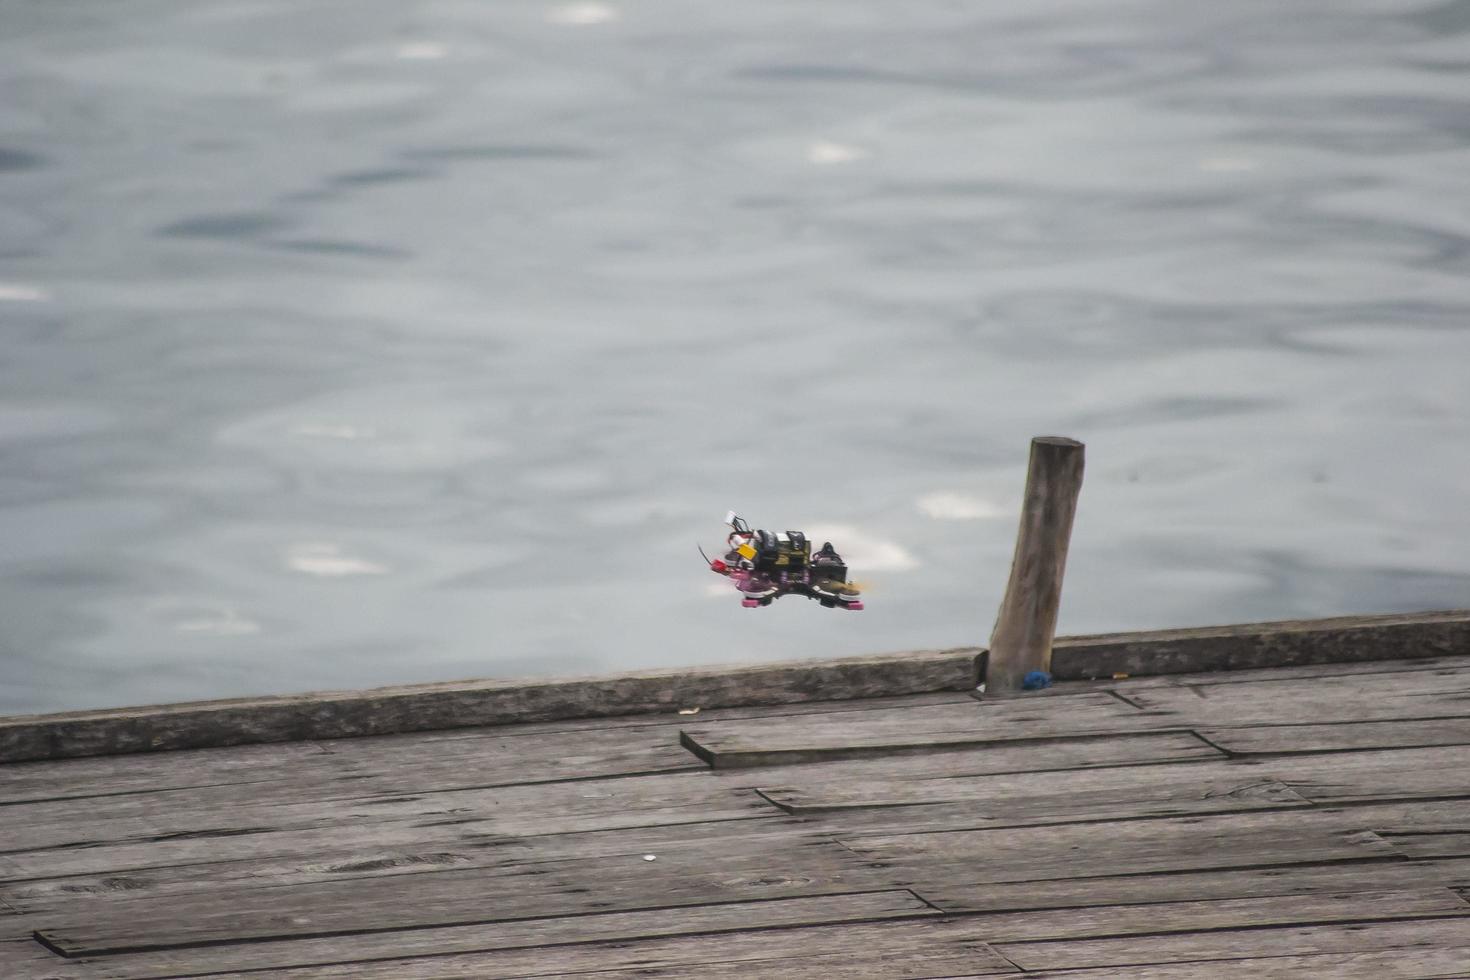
(788, 551)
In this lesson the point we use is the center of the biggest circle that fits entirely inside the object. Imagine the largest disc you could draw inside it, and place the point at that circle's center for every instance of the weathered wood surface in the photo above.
(935, 948)
(958, 892)
(424, 707)
(1398, 963)
(1228, 795)
(1144, 789)
(1026, 623)
(1143, 682)
(1136, 847)
(708, 845)
(1340, 736)
(816, 738)
(1106, 921)
(512, 810)
(1168, 826)
(1432, 843)
(246, 765)
(405, 763)
(1356, 698)
(679, 846)
(1232, 944)
(561, 703)
(1215, 779)
(1438, 695)
(1254, 645)
(510, 889)
(531, 934)
(989, 759)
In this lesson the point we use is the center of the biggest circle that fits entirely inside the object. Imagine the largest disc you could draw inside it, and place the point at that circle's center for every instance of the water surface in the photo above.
(346, 344)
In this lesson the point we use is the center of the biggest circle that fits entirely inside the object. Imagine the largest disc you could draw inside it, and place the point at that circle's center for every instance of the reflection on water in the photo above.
(345, 344)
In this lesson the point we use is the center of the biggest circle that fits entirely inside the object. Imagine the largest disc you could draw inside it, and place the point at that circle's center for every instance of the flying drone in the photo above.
(764, 565)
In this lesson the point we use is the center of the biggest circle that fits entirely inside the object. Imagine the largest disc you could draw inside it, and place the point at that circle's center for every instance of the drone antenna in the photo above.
(703, 555)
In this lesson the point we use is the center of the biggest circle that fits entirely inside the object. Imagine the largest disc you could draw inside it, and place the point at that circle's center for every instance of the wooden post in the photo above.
(1027, 622)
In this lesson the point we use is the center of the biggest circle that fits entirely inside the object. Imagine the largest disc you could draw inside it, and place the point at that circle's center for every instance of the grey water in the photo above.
(358, 343)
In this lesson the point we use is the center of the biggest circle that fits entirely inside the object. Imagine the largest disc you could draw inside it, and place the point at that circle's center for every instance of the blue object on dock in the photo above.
(1035, 680)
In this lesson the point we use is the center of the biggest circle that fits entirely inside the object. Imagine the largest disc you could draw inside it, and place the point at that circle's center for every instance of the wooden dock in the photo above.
(1305, 820)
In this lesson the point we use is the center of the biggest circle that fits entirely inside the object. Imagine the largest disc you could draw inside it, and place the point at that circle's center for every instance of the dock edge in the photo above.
(459, 704)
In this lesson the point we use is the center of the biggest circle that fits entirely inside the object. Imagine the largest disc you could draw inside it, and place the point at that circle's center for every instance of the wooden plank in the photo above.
(989, 811)
(702, 713)
(590, 810)
(513, 889)
(992, 759)
(530, 891)
(1454, 843)
(1254, 645)
(955, 891)
(1195, 843)
(72, 891)
(854, 826)
(871, 781)
(1191, 786)
(1159, 918)
(421, 707)
(851, 965)
(1257, 675)
(347, 770)
(945, 822)
(554, 769)
(815, 738)
(14, 928)
(1124, 684)
(1419, 773)
(1108, 792)
(1340, 737)
(100, 778)
(1410, 695)
(877, 950)
(12, 924)
(409, 850)
(1400, 963)
(414, 764)
(527, 934)
(654, 723)
(26, 959)
(485, 817)
(209, 847)
(1451, 932)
